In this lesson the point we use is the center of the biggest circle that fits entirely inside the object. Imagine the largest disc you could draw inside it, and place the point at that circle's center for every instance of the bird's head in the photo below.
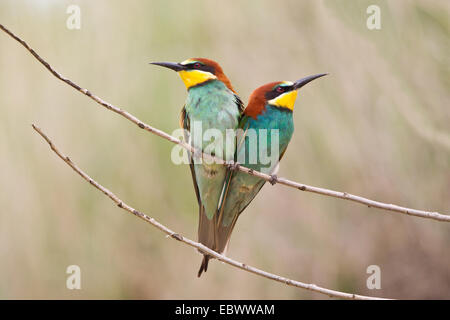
(197, 71)
(281, 94)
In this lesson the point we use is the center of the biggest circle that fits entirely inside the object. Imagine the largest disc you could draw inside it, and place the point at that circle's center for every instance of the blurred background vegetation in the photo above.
(378, 126)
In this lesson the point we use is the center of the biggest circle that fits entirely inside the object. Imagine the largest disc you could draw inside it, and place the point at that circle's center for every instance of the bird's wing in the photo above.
(223, 233)
(206, 228)
(207, 231)
(260, 184)
(239, 103)
(185, 124)
(242, 200)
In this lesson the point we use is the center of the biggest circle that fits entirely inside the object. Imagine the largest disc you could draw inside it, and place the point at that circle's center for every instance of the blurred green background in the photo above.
(377, 126)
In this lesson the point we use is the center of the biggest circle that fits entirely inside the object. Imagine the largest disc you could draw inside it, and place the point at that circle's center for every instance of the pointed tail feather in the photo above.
(206, 236)
(204, 265)
(224, 235)
(210, 231)
(206, 229)
(221, 241)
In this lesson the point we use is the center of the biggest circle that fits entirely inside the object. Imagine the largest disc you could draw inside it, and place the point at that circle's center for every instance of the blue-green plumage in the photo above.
(267, 126)
(211, 106)
(211, 114)
(241, 188)
(210, 110)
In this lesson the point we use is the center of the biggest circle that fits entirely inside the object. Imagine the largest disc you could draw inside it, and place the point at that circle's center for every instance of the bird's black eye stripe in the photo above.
(276, 92)
(199, 66)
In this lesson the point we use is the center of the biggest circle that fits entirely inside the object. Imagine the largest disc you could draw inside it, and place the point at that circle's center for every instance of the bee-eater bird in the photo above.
(270, 108)
(212, 103)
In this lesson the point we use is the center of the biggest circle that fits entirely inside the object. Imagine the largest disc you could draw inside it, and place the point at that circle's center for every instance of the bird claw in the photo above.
(273, 179)
(233, 166)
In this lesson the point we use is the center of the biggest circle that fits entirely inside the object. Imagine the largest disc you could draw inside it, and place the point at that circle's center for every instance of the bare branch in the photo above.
(199, 246)
(272, 179)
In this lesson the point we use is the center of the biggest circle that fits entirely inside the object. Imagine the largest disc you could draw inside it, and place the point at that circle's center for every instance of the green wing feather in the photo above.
(185, 124)
(224, 232)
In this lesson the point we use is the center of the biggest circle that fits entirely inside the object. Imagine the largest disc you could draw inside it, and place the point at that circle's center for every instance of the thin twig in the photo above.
(199, 246)
(271, 178)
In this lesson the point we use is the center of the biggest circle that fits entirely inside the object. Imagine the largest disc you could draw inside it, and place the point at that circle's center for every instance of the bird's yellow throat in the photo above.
(194, 77)
(285, 100)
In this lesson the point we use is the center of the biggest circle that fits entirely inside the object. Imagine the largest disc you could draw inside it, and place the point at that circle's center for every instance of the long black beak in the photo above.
(301, 82)
(174, 66)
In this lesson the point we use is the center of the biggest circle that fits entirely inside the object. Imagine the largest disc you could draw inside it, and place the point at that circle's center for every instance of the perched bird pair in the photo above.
(222, 192)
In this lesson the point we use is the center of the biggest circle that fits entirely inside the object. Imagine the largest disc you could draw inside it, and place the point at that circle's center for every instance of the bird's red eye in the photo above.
(280, 89)
(197, 65)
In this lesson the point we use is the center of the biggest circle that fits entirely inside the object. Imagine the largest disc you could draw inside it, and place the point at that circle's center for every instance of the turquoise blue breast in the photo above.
(214, 105)
(213, 112)
(273, 130)
(243, 187)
